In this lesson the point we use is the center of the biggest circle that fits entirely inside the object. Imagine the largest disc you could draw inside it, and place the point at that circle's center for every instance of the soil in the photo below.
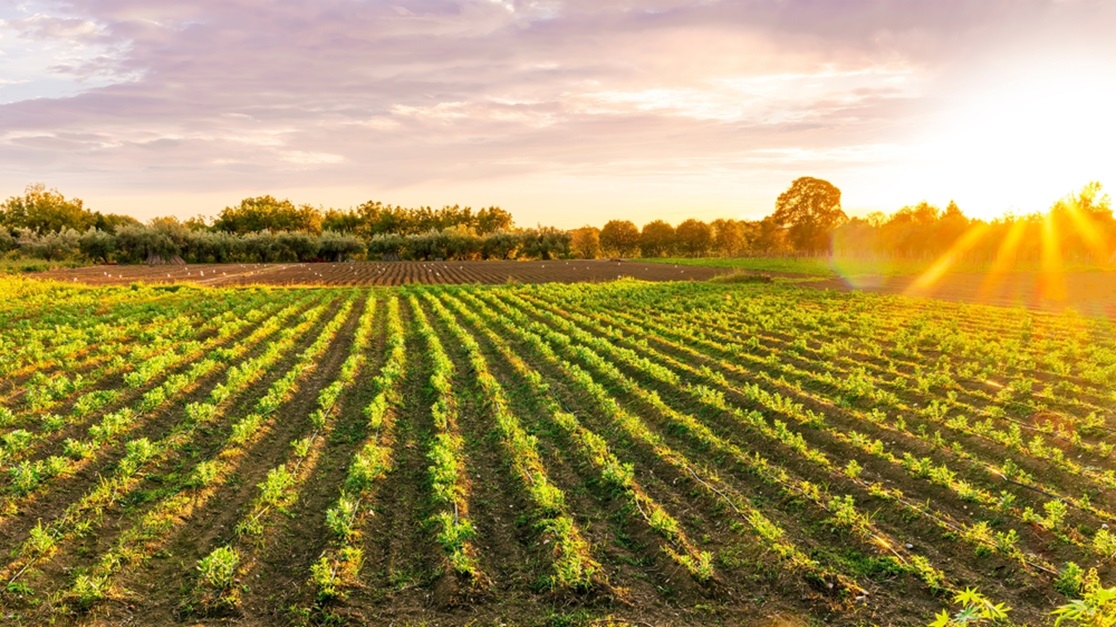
(387, 273)
(1090, 293)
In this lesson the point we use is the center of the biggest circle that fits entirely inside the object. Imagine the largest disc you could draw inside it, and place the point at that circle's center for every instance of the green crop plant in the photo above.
(217, 575)
(1097, 608)
(1104, 544)
(975, 609)
(1071, 580)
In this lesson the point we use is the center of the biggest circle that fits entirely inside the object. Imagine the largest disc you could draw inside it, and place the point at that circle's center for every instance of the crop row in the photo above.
(674, 446)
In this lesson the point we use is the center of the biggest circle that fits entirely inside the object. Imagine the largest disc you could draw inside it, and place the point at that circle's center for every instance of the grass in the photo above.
(26, 266)
(847, 266)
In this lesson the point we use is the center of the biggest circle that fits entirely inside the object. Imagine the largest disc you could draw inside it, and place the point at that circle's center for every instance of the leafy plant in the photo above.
(1096, 609)
(975, 609)
(1071, 579)
(217, 569)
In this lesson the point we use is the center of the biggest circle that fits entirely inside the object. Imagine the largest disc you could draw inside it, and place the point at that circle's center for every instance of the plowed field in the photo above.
(387, 273)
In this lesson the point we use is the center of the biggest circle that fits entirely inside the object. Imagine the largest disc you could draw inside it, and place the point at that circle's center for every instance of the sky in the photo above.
(563, 112)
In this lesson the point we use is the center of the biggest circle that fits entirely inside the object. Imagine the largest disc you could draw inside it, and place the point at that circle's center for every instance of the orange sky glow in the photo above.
(562, 112)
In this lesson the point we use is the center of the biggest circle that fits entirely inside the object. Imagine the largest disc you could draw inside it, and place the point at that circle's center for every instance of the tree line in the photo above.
(44, 224)
(807, 220)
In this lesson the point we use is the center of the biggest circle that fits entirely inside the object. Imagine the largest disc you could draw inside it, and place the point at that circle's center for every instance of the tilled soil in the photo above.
(387, 273)
(1090, 293)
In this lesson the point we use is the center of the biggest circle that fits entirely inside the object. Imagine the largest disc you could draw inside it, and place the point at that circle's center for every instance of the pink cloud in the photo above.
(238, 94)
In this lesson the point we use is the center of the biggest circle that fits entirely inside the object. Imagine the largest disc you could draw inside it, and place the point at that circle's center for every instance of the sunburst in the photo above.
(1072, 223)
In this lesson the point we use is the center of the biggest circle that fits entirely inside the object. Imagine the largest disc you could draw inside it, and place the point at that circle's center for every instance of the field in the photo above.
(1086, 288)
(1091, 291)
(642, 453)
(388, 273)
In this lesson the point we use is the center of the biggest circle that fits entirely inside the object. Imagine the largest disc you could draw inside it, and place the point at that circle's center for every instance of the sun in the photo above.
(1012, 143)
(1075, 221)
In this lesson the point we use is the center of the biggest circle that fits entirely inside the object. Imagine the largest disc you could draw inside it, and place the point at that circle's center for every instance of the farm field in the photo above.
(645, 453)
(1092, 292)
(387, 273)
(1089, 289)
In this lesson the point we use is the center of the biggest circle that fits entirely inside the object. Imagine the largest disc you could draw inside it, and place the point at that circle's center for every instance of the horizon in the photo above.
(543, 108)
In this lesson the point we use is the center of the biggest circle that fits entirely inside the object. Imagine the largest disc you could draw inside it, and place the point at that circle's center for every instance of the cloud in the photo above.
(400, 94)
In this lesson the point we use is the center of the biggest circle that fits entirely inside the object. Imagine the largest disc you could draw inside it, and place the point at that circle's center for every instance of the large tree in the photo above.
(810, 210)
(657, 239)
(620, 238)
(728, 237)
(493, 219)
(694, 238)
(44, 211)
(267, 213)
(585, 243)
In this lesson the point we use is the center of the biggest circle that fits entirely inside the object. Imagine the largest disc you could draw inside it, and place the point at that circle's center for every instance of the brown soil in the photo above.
(400, 555)
(386, 273)
(1091, 293)
(150, 600)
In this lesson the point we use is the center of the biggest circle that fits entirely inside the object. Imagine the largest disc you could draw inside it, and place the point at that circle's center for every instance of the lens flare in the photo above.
(1005, 259)
(927, 280)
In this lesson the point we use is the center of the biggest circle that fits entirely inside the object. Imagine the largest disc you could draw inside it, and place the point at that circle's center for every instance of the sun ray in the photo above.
(1003, 261)
(1087, 229)
(1051, 283)
(964, 244)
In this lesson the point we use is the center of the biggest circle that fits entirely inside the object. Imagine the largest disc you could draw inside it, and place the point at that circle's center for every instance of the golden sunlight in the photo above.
(1010, 145)
(1051, 244)
(944, 263)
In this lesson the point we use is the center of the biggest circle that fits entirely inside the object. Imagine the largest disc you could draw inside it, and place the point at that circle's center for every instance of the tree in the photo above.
(265, 213)
(952, 224)
(810, 210)
(1085, 224)
(295, 246)
(657, 239)
(44, 211)
(49, 245)
(335, 246)
(769, 237)
(585, 243)
(109, 222)
(546, 242)
(856, 238)
(214, 247)
(340, 221)
(694, 238)
(500, 245)
(493, 219)
(197, 223)
(909, 231)
(97, 245)
(729, 239)
(160, 242)
(620, 238)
